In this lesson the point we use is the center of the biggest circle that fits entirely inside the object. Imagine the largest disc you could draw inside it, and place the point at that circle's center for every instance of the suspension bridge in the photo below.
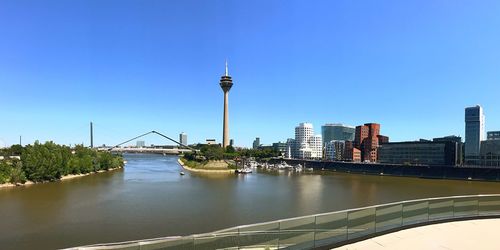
(178, 148)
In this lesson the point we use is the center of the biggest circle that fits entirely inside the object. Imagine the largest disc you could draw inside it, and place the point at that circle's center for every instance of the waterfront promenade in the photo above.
(457, 235)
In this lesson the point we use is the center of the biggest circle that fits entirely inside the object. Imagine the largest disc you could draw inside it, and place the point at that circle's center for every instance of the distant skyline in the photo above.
(135, 66)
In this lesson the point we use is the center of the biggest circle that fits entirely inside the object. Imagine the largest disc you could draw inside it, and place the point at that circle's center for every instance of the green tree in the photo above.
(105, 160)
(17, 174)
(5, 171)
(86, 164)
(16, 150)
(230, 149)
(213, 152)
(74, 165)
(43, 162)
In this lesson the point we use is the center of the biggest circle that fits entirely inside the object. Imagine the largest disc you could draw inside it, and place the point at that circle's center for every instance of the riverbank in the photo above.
(63, 178)
(201, 170)
(399, 170)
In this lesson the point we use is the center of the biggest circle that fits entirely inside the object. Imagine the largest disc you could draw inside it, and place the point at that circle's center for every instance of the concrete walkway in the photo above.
(471, 234)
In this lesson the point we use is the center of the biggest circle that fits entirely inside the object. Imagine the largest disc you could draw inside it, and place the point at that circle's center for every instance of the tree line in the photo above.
(49, 162)
(216, 152)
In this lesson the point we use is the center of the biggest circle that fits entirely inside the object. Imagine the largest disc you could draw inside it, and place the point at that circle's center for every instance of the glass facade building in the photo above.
(494, 135)
(474, 134)
(337, 132)
(490, 153)
(445, 153)
(334, 150)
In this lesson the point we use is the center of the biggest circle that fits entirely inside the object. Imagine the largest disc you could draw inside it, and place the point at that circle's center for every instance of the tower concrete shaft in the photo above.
(225, 129)
(226, 83)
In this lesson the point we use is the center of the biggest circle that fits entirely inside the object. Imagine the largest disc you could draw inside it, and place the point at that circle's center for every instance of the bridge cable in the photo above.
(160, 134)
(137, 137)
(153, 132)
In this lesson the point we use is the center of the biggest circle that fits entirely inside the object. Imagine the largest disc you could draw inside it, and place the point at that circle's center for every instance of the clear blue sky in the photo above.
(137, 66)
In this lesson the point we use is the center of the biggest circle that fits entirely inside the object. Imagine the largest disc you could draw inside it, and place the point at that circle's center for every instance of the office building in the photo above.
(454, 138)
(280, 147)
(290, 148)
(367, 140)
(351, 153)
(183, 138)
(337, 132)
(382, 139)
(474, 134)
(460, 146)
(490, 153)
(306, 145)
(210, 142)
(140, 144)
(360, 135)
(334, 150)
(431, 153)
(493, 135)
(316, 145)
(256, 143)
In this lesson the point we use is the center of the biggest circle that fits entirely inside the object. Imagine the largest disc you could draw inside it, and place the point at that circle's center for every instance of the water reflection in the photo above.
(149, 198)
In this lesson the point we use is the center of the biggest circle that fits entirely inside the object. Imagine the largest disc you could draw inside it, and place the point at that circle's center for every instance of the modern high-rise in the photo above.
(226, 83)
(367, 140)
(183, 138)
(256, 143)
(303, 132)
(306, 145)
(337, 132)
(474, 134)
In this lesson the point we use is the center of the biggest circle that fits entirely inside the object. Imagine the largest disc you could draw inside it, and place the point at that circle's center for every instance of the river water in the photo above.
(149, 198)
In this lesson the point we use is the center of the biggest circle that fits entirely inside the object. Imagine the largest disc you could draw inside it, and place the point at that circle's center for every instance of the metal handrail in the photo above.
(236, 230)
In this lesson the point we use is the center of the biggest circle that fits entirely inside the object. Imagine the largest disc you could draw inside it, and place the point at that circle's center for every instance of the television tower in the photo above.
(226, 83)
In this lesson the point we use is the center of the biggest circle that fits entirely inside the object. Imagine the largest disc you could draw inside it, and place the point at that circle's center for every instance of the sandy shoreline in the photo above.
(218, 171)
(63, 178)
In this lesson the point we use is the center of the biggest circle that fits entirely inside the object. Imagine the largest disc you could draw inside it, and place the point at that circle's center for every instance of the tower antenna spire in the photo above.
(226, 69)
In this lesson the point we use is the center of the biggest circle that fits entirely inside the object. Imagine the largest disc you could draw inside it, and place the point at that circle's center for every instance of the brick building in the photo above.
(367, 140)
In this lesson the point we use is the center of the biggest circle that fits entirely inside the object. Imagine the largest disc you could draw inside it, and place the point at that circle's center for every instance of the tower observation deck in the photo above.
(226, 83)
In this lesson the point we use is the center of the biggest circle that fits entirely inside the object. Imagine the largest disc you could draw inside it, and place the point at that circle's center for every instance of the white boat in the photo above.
(182, 173)
(243, 171)
(283, 165)
(298, 168)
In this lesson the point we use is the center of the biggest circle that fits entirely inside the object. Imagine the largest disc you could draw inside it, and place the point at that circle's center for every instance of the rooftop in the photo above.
(457, 235)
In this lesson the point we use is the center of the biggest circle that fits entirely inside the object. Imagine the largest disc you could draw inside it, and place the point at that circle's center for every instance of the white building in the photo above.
(290, 148)
(183, 138)
(306, 145)
(316, 145)
(140, 144)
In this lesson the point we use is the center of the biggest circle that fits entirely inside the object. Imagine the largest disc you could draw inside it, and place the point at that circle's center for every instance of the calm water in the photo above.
(150, 199)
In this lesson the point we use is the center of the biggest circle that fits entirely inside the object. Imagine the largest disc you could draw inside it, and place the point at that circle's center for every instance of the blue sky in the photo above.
(136, 66)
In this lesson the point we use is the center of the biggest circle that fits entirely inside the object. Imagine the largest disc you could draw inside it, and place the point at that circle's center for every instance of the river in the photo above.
(149, 198)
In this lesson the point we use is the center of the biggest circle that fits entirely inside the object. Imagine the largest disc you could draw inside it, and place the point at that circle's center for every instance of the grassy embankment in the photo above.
(207, 164)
